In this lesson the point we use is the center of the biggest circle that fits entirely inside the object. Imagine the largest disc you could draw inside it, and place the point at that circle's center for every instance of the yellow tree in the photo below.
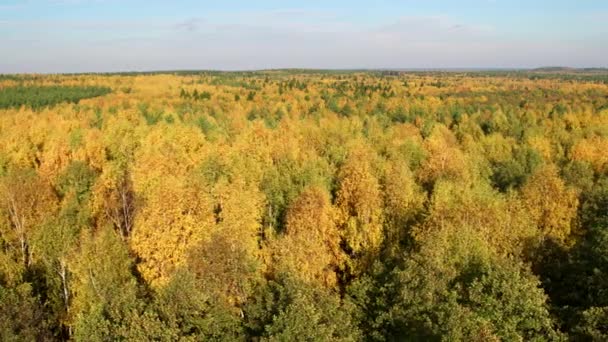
(114, 198)
(177, 215)
(445, 159)
(227, 261)
(403, 201)
(593, 151)
(494, 218)
(551, 203)
(359, 205)
(310, 246)
(26, 201)
(176, 211)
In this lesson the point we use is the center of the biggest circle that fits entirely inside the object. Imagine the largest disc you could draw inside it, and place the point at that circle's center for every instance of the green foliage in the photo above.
(187, 310)
(97, 122)
(594, 203)
(38, 97)
(576, 280)
(76, 139)
(592, 325)
(283, 182)
(105, 291)
(78, 178)
(21, 316)
(481, 300)
(205, 124)
(579, 174)
(151, 116)
(513, 173)
(195, 95)
(287, 310)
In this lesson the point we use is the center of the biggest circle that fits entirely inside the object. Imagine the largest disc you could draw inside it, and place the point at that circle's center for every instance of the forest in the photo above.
(301, 205)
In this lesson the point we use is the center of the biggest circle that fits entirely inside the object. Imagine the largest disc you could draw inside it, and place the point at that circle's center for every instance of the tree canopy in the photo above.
(292, 205)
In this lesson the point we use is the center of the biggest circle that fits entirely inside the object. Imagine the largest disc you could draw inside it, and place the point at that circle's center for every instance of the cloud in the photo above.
(14, 6)
(432, 28)
(284, 38)
(60, 27)
(78, 2)
(191, 24)
(281, 19)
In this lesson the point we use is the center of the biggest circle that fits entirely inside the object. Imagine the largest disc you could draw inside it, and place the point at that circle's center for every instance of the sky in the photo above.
(56, 36)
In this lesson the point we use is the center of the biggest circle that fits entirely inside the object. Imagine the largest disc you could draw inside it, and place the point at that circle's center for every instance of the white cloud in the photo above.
(285, 38)
(191, 24)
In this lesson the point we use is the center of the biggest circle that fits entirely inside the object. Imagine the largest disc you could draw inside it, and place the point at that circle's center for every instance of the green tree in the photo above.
(461, 293)
(289, 310)
(105, 292)
(22, 318)
(188, 310)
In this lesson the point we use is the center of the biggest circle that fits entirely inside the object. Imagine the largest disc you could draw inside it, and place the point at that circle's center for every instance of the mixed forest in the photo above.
(296, 205)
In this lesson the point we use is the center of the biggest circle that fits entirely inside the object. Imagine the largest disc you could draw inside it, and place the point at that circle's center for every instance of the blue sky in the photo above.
(113, 35)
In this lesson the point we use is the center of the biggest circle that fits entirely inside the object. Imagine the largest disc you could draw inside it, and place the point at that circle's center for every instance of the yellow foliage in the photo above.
(229, 256)
(238, 211)
(26, 201)
(543, 146)
(594, 151)
(403, 201)
(551, 203)
(175, 151)
(310, 247)
(496, 147)
(359, 205)
(445, 159)
(497, 221)
(176, 215)
(184, 180)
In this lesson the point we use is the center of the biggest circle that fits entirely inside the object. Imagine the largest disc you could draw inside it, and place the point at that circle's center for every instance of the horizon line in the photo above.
(406, 69)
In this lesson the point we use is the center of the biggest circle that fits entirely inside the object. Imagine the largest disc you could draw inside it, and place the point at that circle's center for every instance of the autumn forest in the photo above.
(299, 205)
